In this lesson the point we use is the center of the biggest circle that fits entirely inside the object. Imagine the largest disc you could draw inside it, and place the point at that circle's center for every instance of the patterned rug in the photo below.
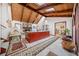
(51, 54)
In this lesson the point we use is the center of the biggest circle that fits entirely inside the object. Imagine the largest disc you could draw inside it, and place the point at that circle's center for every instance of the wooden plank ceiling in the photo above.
(32, 12)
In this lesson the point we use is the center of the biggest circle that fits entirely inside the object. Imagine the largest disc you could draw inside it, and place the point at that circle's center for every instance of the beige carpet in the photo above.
(51, 54)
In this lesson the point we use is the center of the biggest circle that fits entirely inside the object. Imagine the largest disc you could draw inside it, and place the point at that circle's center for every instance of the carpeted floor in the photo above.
(51, 54)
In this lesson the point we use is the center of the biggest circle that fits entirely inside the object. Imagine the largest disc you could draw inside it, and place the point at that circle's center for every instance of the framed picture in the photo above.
(60, 28)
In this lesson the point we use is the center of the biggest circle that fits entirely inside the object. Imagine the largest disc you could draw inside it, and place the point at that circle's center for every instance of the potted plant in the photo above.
(67, 42)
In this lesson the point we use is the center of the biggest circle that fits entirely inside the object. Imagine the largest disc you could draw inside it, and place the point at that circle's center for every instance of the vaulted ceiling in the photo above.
(32, 12)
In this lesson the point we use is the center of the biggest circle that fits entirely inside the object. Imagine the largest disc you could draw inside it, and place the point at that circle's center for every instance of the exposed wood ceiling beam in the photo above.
(33, 5)
(47, 5)
(16, 8)
(68, 10)
(29, 16)
(35, 18)
(38, 19)
(31, 8)
(59, 14)
(59, 6)
(26, 14)
(22, 13)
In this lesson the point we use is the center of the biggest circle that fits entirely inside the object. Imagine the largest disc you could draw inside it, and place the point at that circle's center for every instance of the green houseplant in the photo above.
(67, 42)
(67, 31)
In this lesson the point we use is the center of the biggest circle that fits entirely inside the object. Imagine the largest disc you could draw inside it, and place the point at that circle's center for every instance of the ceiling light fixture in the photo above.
(51, 9)
(40, 3)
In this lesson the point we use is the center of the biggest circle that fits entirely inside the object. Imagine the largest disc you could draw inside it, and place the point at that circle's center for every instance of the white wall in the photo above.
(52, 20)
(41, 22)
(0, 12)
(5, 14)
(15, 22)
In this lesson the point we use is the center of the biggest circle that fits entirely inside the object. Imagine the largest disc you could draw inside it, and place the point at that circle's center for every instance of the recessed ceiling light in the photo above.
(50, 9)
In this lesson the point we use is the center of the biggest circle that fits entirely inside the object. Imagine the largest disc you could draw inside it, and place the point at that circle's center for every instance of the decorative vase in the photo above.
(67, 43)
